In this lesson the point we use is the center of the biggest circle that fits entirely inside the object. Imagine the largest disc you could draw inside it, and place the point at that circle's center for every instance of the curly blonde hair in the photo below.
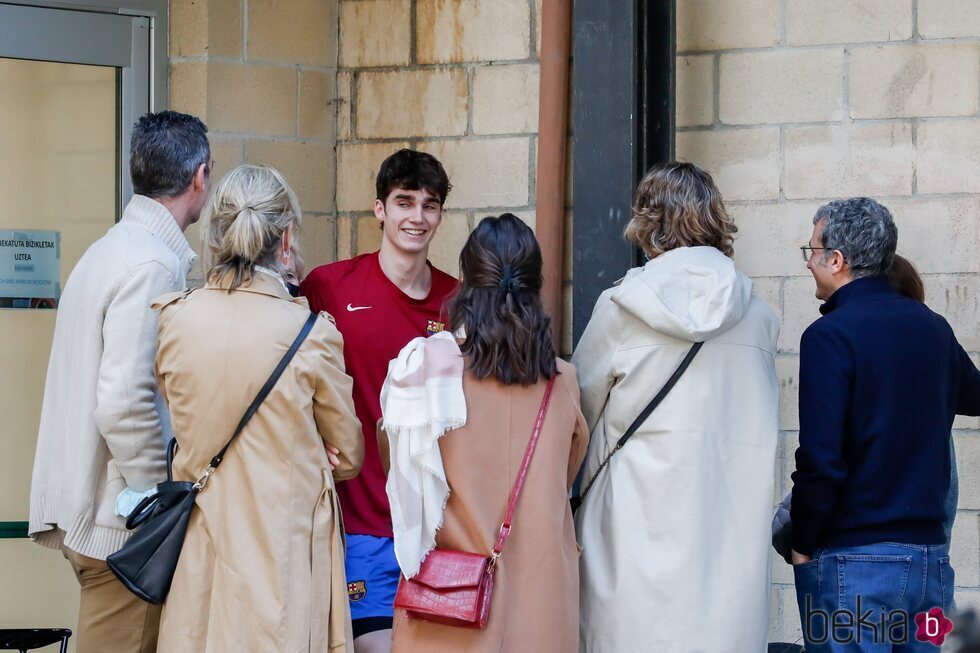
(678, 205)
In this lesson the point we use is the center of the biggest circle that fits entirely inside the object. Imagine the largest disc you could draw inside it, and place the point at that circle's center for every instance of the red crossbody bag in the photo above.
(454, 587)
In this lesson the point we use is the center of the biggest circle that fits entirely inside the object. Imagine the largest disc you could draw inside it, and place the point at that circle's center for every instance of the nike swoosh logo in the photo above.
(352, 308)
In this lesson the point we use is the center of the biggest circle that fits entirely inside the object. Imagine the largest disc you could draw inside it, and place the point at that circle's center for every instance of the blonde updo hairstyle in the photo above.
(247, 218)
(678, 205)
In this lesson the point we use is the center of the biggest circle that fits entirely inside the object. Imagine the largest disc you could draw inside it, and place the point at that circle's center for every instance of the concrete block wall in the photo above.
(262, 74)
(457, 78)
(791, 103)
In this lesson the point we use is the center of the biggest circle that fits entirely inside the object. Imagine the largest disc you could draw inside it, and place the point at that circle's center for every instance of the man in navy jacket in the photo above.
(881, 379)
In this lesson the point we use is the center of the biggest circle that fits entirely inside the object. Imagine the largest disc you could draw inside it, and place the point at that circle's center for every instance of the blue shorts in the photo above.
(372, 576)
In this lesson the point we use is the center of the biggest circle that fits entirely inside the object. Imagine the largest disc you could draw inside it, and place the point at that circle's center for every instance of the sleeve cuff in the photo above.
(128, 500)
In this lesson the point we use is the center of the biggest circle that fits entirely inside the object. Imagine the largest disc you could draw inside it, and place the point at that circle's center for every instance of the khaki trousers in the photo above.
(111, 619)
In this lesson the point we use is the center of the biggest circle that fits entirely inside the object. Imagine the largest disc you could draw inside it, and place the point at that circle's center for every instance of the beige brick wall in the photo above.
(790, 103)
(457, 78)
(326, 89)
(263, 74)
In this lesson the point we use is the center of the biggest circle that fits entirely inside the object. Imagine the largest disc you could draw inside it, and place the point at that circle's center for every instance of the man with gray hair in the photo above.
(881, 379)
(100, 445)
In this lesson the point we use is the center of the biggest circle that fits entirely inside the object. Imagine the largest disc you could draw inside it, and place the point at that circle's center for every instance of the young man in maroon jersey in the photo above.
(381, 301)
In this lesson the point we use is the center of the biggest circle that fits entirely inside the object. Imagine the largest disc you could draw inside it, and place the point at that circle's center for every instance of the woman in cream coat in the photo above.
(262, 567)
(675, 531)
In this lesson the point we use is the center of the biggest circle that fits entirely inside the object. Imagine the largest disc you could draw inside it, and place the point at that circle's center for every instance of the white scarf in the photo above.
(421, 399)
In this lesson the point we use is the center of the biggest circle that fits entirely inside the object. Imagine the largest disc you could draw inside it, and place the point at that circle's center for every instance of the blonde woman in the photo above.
(262, 565)
(675, 530)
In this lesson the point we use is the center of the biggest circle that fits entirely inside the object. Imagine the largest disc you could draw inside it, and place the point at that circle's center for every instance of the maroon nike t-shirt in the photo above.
(376, 319)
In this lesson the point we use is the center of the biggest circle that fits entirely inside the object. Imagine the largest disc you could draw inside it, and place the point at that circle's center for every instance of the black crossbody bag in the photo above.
(576, 501)
(146, 563)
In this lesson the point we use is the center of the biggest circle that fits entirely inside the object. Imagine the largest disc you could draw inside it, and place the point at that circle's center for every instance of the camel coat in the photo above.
(262, 568)
(535, 596)
(675, 532)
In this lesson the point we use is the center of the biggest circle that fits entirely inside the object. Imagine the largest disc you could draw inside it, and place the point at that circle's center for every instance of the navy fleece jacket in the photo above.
(881, 378)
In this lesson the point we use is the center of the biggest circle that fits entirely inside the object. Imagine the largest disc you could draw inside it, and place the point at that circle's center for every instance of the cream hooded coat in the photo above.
(675, 532)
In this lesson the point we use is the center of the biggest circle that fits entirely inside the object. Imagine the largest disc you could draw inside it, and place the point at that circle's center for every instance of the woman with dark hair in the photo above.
(905, 279)
(505, 360)
(675, 529)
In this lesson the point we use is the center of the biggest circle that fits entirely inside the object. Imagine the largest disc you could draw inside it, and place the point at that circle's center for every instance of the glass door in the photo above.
(71, 85)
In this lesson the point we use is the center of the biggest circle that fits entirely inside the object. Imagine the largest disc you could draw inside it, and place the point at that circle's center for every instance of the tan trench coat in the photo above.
(535, 596)
(262, 568)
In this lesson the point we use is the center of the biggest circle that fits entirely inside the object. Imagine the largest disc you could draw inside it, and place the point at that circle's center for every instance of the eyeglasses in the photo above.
(807, 252)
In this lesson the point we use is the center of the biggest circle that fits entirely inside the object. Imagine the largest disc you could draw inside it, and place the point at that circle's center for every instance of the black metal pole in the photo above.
(656, 86)
(623, 103)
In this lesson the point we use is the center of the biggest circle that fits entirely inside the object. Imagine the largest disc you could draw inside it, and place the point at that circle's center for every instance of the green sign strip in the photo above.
(12, 529)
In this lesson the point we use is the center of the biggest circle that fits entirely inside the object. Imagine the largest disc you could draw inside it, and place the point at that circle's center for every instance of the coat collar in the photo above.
(261, 284)
(858, 290)
(155, 218)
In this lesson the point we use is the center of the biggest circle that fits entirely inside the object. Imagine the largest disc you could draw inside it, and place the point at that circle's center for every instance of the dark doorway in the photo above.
(623, 105)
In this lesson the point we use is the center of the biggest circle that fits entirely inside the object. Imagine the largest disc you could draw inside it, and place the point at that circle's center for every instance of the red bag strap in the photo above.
(515, 493)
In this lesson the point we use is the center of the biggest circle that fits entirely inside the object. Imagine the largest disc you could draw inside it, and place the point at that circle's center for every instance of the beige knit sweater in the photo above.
(101, 428)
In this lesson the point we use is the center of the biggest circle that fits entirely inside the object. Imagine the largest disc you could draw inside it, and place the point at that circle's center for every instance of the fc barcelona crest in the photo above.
(433, 327)
(356, 590)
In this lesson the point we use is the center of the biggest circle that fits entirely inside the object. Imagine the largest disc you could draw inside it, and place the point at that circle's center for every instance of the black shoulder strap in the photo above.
(267, 388)
(642, 417)
(671, 382)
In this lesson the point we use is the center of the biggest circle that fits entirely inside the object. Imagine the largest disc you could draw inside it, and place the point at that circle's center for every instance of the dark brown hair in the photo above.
(508, 335)
(905, 279)
(412, 170)
(678, 205)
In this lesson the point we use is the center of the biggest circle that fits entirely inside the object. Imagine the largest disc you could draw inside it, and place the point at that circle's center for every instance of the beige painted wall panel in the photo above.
(57, 171)
(57, 143)
(39, 588)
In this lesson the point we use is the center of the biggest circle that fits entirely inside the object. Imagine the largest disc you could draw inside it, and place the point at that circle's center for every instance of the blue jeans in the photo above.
(865, 598)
